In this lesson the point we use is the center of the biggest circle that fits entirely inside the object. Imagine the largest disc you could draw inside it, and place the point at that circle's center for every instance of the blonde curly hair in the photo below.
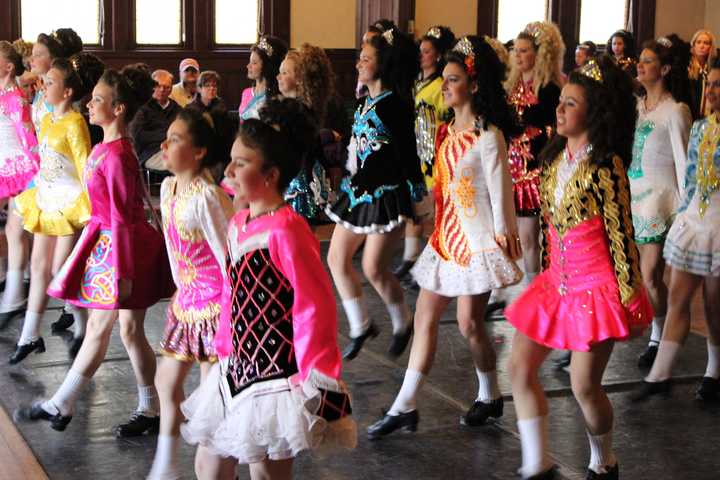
(694, 68)
(500, 50)
(315, 78)
(549, 48)
(24, 48)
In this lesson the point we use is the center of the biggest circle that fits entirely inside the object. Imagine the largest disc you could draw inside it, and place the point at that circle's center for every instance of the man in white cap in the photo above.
(184, 91)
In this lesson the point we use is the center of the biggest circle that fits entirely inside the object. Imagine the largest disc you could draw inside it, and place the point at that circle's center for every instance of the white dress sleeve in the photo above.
(499, 183)
(679, 124)
(214, 211)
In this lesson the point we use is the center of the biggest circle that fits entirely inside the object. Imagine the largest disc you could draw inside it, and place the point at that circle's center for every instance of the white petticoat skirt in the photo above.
(488, 270)
(693, 242)
(272, 419)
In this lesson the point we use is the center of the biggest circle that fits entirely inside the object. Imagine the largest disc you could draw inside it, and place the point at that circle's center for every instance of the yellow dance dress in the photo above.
(58, 203)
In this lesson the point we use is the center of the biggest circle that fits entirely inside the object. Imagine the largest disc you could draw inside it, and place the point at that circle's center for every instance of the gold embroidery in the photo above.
(185, 233)
(193, 315)
(466, 191)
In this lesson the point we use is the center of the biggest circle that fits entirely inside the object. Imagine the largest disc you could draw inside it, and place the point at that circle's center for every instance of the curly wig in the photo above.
(500, 51)
(695, 66)
(271, 63)
(398, 62)
(549, 48)
(442, 39)
(315, 78)
(628, 41)
(672, 51)
(25, 50)
(489, 101)
(610, 119)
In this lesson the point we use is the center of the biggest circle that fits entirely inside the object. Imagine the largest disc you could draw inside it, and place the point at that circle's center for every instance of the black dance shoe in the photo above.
(646, 359)
(612, 474)
(479, 413)
(5, 317)
(399, 342)
(406, 422)
(403, 269)
(648, 389)
(35, 412)
(63, 323)
(708, 390)
(546, 475)
(22, 351)
(137, 425)
(494, 307)
(356, 344)
(74, 347)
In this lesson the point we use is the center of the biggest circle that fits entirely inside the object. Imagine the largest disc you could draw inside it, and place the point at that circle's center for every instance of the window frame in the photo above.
(14, 11)
(215, 45)
(184, 29)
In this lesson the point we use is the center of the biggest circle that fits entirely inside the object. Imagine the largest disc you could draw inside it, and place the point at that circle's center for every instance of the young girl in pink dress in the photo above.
(195, 220)
(590, 293)
(277, 390)
(114, 270)
(18, 164)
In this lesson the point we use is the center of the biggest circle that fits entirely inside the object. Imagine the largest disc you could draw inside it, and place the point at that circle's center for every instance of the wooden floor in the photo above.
(18, 462)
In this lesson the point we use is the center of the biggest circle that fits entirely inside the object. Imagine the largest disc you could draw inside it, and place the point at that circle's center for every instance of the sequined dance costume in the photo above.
(658, 167)
(385, 177)
(250, 104)
(276, 390)
(591, 288)
(473, 203)
(537, 116)
(195, 221)
(430, 112)
(58, 204)
(309, 192)
(693, 243)
(19, 158)
(118, 243)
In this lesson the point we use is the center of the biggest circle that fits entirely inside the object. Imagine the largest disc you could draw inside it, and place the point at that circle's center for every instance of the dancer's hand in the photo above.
(124, 289)
(510, 245)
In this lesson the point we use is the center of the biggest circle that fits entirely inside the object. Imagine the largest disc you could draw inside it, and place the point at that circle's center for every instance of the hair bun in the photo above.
(89, 69)
(69, 40)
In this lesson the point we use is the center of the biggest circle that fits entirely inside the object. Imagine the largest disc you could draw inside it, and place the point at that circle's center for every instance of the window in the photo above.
(236, 23)
(599, 18)
(158, 22)
(44, 16)
(514, 15)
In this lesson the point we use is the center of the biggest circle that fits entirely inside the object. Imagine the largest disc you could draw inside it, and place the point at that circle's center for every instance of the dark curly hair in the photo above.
(397, 64)
(611, 115)
(62, 43)
(89, 67)
(489, 101)
(201, 133)
(271, 63)
(381, 25)
(441, 45)
(677, 56)
(284, 134)
(131, 86)
(628, 41)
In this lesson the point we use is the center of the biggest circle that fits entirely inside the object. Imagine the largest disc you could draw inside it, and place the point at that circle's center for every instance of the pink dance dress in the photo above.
(277, 389)
(591, 288)
(19, 159)
(195, 221)
(118, 242)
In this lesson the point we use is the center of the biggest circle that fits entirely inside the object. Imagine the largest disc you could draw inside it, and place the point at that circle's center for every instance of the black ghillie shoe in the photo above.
(479, 412)
(356, 344)
(35, 412)
(406, 422)
(22, 351)
(137, 425)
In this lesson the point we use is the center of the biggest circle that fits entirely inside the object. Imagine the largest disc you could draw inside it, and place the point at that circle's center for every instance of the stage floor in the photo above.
(664, 438)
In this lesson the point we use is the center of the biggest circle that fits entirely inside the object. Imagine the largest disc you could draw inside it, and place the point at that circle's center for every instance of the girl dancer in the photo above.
(195, 220)
(533, 88)
(306, 74)
(430, 111)
(277, 390)
(621, 48)
(658, 167)
(475, 242)
(57, 207)
(106, 272)
(704, 53)
(18, 164)
(265, 58)
(590, 293)
(377, 197)
(693, 253)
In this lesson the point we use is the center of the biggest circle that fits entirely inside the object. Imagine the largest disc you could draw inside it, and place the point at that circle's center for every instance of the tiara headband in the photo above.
(434, 32)
(592, 70)
(665, 42)
(388, 36)
(265, 46)
(465, 47)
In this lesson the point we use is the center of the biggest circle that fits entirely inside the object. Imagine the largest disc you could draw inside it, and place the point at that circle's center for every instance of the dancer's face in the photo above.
(101, 109)
(55, 91)
(572, 111)
(581, 57)
(367, 64)
(712, 90)
(245, 174)
(287, 83)
(649, 69)
(525, 54)
(254, 68)
(456, 87)
(179, 152)
(429, 57)
(702, 46)
(40, 60)
(618, 46)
